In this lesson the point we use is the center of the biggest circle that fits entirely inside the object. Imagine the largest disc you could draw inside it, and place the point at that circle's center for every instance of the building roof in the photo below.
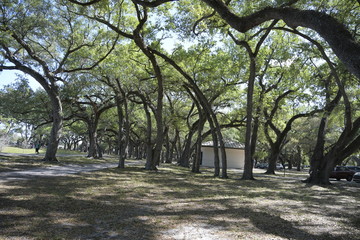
(228, 144)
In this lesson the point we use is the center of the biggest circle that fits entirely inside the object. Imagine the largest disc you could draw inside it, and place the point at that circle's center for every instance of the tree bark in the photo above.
(150, 163)
(92, 131)
(55, 133)
(298, 158)
(172, 147)
(186, 152)
(197, 157)
(121, 142)
(248, 166)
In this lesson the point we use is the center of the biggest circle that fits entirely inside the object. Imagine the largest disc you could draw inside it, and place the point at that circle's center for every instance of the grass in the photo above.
(41, 151)
(173, 203)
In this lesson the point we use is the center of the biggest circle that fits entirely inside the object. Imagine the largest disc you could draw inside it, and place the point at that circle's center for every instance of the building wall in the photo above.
(235, 157)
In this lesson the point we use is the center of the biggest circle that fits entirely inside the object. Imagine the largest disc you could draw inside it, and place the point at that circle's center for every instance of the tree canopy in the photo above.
(154, 79)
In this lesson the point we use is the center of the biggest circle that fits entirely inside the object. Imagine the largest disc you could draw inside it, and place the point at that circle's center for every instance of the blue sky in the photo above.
(9, 76)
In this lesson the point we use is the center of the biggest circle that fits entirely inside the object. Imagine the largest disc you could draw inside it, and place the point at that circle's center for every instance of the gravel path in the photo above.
(54, 171)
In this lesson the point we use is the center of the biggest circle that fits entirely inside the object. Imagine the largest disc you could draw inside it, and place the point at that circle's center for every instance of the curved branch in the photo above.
(95, 63)
(32, 54)
(25, 69)
(151, 4)
(112, 27)
(200, 20)
(336, 34)
(7, 68)
(85, 3)
(348, 110)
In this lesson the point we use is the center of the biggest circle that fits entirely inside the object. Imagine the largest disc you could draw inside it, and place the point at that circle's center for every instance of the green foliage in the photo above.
(34, 107)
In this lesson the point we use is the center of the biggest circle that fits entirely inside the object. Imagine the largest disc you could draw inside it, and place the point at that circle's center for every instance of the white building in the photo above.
(235, 154)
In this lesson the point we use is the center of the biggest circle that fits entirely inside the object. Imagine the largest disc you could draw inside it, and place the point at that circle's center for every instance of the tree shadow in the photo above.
(133, 204)
(48, 208)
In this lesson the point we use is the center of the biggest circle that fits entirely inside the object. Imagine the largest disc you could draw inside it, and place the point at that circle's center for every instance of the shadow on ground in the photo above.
(134, 204)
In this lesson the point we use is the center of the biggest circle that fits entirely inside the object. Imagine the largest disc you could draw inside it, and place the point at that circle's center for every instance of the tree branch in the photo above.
(97, 62)
(336, 34)
(7, 68)
(85, 3)
(200, 20)
(152, 3)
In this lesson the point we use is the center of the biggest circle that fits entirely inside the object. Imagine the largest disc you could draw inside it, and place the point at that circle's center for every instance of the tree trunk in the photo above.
(321, 166)
(254, 136)
(55, 133)
(321, 174)
(185, 153)
(167, 147)
(150, 163)
(162, 153)
(173, 147)
(197, 157)
(248, 166)
(158, 112)
(290, 163)
(100, 150)
(121, 144)
(92, 130)
(274, 156)
(206, 105)
(187, 150)
(223, 154)
(298, 158)
(317, 163)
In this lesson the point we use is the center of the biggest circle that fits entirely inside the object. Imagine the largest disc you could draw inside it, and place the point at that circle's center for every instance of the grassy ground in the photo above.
(41, 151)
(172, 203)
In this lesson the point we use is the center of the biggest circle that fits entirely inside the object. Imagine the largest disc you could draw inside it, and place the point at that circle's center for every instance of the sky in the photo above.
(10, 76)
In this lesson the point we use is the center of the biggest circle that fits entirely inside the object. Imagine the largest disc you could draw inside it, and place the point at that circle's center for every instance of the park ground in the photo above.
(171, 203)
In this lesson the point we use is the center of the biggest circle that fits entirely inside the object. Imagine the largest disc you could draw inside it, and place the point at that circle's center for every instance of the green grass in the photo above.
(173, 203)
(32, 151)
(21, 150)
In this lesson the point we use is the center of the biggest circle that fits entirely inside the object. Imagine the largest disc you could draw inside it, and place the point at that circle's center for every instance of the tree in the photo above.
(31, 115)
(322, 161)
(74, 133)
(320, 166)
(121, 102)
(251, 131)
(88, 105)
(342, 42)
(337, 36)
(34, 41)
(209, 113)
(281, 134)
(137, 35)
